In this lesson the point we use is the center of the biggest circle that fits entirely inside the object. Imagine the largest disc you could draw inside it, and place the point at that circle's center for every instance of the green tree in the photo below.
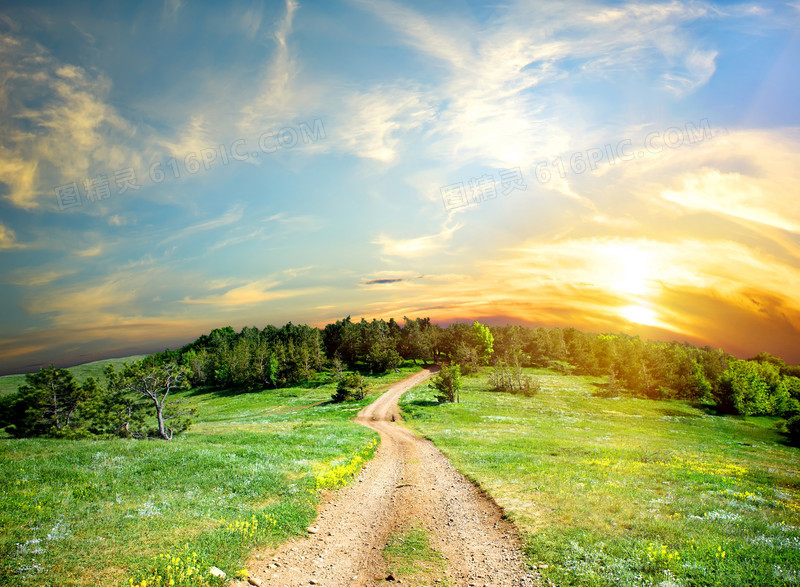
(484, 341)
(382, 356)
(352, 386)
(155, 383)
(448, 383)
(48, 403)
(114, 410)
(745, 388)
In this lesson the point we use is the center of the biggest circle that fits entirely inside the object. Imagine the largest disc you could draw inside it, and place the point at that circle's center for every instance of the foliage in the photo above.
(338, 473)
(47, 404)
(113, 410)
(154, 383)
(752, 388)
(352, 386)
(511, 378)
(447, 383)
(484, 342)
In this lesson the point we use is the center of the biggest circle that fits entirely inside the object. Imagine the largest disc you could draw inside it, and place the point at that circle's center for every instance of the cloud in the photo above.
(231, 216)
(495, 102)
(416, 247)
(698, 68)
(8, 240)
(57, 126)
(276, 99)
(749, 176)
(736, 195)
(37, 277)
(382, 281)
(716, 292)
(255, 292)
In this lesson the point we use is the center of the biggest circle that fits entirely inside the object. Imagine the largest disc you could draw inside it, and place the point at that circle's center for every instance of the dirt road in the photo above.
(409, 483)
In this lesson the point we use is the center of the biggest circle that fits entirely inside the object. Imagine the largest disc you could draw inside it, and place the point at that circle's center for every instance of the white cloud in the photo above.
(232, 216)
(698, 68)
(416, 247)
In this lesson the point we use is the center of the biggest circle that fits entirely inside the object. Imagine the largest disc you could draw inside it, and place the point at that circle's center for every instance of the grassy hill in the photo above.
(93, 512)
(11, 383)
(626, 491)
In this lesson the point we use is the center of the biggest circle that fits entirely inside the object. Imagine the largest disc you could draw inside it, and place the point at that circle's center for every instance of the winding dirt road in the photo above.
(408, 484)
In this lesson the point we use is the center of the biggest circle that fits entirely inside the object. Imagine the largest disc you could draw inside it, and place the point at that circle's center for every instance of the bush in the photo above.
(352, 386)
(511, 379)
(448, 383)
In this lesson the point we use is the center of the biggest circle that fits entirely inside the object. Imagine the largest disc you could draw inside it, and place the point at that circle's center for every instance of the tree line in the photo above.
(137, 400)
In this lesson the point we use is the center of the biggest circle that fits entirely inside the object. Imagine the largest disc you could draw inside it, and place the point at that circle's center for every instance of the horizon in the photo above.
(497, 321)
(170, 168)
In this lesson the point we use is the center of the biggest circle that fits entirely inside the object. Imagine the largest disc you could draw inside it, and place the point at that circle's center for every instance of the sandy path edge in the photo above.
(408, 482)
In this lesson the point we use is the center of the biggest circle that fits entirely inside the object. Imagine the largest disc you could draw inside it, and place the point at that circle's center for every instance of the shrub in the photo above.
(510, 379)
(448, 383)
(352, 386)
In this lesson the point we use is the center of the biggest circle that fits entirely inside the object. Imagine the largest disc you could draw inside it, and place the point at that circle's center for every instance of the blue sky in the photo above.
(168, 168)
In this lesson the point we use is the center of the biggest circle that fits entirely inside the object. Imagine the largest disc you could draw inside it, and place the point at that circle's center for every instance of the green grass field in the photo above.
(626, 491)
(94, 512)
(11, 383)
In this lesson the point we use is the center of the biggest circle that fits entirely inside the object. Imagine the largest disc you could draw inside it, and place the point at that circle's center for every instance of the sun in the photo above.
(639, 315)
(632, 271)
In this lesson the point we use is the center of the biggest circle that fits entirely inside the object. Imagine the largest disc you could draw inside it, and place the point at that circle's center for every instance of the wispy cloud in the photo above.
(8, 240)
(231, 216)
(276, 98)
(416, 247)
(256, 292)
(37, 277)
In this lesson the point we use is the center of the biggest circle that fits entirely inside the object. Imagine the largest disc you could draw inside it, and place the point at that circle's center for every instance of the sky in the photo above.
(167, 168)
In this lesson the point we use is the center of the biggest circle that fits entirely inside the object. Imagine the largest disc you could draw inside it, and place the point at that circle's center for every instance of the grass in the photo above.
(113, 512)
(412, 560)
(11, 383)
(626, 491)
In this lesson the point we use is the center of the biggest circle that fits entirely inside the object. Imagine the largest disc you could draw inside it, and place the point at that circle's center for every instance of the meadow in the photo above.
(626, 491)
(123, 512)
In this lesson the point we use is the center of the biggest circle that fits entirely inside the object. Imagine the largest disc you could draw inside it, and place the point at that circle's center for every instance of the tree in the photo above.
(114, 410)
(156, 382)
(416, 342)
(352, 386)
(48, 403)
(508, 376)
(448, 383)
(382, 356)
(746, 388)
(484, 341)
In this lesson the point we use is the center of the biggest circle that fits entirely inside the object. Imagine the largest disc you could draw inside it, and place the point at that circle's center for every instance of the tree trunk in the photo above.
(161, 429)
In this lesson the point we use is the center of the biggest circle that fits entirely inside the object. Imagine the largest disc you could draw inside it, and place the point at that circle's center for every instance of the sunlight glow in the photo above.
(632, 269)
(639, 315)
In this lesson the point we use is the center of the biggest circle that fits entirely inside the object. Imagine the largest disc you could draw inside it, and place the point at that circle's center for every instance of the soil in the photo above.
(409, 483)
